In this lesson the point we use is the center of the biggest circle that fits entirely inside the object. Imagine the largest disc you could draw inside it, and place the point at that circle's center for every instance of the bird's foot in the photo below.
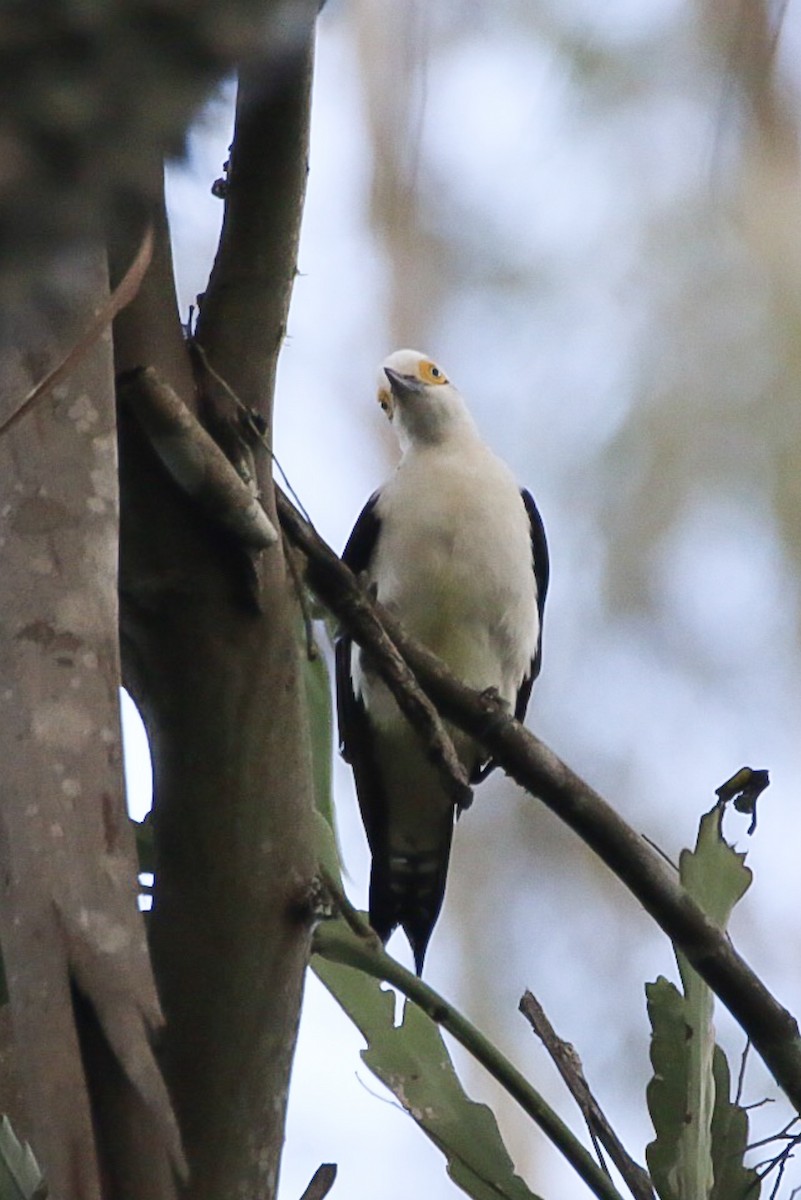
(501, 713)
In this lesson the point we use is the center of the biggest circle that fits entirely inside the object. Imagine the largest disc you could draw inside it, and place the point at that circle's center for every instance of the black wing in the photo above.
(355, 732)
(408, 890)
(541, 567)
(357, 555)
(542, 573)
(363, 537)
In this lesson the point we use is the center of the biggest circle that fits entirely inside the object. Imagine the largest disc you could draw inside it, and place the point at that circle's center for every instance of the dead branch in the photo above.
(194, 460)
(568, 1064)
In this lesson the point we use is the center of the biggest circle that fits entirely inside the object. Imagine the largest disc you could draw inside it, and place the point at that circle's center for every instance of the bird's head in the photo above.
(419, 399)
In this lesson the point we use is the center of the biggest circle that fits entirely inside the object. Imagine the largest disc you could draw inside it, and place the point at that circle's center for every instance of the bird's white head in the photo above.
(420, 400)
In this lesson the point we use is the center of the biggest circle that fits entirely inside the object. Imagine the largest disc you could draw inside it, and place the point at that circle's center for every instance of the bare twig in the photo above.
(569, 1066)
(783, 1135)
(772, 1029)
(122, 295)
(738, 1095)
(193, 458)
(321, 1182)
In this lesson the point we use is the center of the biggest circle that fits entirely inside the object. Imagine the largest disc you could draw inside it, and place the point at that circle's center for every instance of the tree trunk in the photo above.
(212, 656)
(81, 991)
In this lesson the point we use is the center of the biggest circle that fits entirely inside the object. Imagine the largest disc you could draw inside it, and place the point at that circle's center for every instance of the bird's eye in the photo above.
(431, 373)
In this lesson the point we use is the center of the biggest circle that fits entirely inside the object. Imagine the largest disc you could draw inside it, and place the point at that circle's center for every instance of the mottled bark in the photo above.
(83, 1001)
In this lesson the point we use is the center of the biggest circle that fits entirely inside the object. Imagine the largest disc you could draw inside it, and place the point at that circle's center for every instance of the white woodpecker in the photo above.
(457, 551)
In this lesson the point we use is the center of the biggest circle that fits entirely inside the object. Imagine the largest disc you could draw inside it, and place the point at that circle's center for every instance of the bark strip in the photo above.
(194, 460)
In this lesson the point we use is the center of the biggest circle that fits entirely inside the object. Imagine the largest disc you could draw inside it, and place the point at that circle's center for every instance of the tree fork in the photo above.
(219, 682)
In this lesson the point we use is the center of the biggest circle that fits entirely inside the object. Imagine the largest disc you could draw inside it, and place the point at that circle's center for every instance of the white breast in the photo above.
(453, 560)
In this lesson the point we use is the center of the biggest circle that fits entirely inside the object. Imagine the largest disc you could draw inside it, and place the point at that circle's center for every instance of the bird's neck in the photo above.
(458, 432)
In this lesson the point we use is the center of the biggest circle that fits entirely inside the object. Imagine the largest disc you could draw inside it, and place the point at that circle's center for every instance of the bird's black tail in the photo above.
(407, 889)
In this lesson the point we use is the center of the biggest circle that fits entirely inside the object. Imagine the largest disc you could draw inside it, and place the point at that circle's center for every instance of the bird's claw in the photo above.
(499, 717)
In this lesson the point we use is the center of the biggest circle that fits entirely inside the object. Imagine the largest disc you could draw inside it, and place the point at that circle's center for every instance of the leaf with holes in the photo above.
(412, 1061)
(700, 1133)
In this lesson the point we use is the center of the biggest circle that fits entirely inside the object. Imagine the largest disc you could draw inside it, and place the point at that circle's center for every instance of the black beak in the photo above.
(402, 385)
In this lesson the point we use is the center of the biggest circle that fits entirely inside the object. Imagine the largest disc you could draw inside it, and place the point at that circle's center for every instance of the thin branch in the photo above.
(772, 1029)
(738, 1095)
(569, 1066)
(782, 1135)
(243, 311)
(366, 953)
(122, 296)
(193, 458)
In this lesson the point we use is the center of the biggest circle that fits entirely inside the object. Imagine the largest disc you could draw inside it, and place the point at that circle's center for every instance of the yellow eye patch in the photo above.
(385, 400)
(431, 373)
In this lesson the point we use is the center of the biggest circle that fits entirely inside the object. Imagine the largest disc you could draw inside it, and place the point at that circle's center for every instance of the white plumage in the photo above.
(452, 546)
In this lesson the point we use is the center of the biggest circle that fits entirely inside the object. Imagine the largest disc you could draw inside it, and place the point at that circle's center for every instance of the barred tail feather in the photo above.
(407, 889)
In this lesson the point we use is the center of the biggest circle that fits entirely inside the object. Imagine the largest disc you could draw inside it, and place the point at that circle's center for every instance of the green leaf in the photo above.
(733, 1180)
(668, 1089)
(696, 1124)
(413, 1062)
(714, 874)
(325, 846)
(716, 877)
(321, 723)
(321, 736)
(20, 1177)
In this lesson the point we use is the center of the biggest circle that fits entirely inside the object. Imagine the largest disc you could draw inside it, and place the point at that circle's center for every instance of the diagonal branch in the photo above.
(772, 1029)
(365, 623)
(569, 1067)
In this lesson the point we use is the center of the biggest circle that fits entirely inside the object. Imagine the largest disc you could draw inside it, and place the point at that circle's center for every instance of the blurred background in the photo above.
(588, 212)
